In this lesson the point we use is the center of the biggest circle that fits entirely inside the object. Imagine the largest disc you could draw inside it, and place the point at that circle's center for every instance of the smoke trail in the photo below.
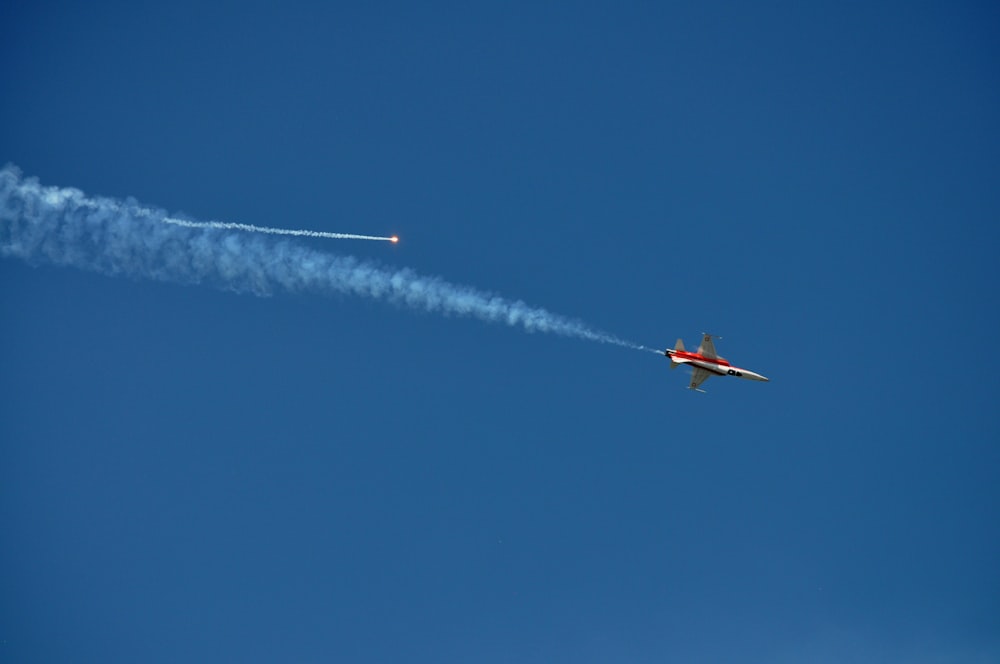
(225, 225)
(63, 226)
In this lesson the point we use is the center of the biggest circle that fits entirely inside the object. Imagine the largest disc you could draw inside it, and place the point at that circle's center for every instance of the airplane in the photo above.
(706, 363)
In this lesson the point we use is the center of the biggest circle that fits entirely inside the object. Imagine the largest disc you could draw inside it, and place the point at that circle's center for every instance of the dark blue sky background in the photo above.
(192, 475)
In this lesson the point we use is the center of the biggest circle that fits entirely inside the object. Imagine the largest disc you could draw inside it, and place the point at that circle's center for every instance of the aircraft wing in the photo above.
(707, 348)
(698, 376)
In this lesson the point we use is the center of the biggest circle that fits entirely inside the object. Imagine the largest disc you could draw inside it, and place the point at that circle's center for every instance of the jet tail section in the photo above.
(679, 346)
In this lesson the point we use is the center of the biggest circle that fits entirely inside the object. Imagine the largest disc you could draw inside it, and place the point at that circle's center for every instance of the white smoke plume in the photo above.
(63, 226)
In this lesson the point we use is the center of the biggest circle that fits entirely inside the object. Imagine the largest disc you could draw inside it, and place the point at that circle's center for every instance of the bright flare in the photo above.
(394, 239)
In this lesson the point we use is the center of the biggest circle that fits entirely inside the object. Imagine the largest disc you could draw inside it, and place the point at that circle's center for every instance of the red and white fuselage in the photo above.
(706, 363)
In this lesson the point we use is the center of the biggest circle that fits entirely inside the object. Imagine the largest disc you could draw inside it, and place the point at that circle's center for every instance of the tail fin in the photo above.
(678, 346)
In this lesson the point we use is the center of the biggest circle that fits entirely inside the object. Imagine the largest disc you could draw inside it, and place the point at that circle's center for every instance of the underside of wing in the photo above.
(698, 376)
(707, 348)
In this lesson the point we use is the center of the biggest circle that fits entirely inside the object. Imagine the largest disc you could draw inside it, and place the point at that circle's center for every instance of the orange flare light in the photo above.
(394, 239)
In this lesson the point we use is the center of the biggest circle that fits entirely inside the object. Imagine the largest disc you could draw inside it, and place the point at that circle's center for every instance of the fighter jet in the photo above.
(706, 363)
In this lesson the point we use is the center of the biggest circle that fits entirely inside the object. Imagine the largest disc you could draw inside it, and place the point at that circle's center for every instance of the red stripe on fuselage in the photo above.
(701, 358)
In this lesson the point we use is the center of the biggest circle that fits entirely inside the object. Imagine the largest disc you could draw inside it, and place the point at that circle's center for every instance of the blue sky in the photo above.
(189, 474)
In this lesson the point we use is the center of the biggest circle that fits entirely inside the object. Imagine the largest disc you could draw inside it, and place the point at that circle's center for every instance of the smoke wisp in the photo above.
(63, 226)
(250, 228)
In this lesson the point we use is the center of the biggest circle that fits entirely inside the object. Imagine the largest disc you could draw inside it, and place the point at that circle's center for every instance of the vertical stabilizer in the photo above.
(678, 346)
